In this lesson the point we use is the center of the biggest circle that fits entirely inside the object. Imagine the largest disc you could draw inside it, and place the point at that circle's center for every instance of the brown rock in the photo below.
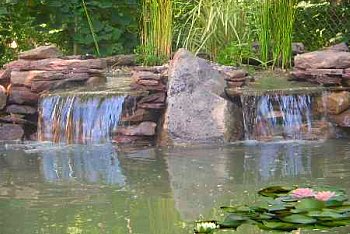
(232, 84)
(160, 87)
(154, 98)
(328, 80)
(95, 81)
(148, 82)
(22, 95)
(56, 64)
(342, 120)
(154, 69)
(137, 116)
(346, 74)
(25, 78)
(232, 74)
(121, 60)
(10, 132)
(143, 129)
(151, 105)
(322, 59)
(42, 52)
(16, 119)
(321, 76)
(5, 76)
(122, 139)
(335, 103)
(339, 47)
(145, 75)
(73, 81)
(21, 109)
(3, 97)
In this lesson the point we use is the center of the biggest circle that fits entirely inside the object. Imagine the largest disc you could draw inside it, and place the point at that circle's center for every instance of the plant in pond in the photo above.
(156, 28)
(287, 209)
(276, 28)
(146, 57)
(213, 26)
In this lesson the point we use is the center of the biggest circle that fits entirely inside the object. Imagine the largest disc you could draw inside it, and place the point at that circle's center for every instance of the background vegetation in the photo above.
(228, 31)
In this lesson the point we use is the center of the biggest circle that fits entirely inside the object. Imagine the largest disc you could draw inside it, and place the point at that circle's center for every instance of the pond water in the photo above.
(49, 188)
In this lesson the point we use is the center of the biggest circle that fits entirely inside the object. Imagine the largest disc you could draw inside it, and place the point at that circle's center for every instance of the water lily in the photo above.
(324, 195)
(205, 227)
(300, 193)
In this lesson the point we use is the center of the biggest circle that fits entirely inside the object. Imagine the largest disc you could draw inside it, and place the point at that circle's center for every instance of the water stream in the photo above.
(79, 119)
(280, 116)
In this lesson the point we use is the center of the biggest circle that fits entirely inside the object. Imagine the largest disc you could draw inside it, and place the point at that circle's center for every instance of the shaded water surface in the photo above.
(48, 188)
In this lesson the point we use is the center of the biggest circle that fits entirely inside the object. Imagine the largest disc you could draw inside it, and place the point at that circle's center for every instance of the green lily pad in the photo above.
(271, 225)
(309, 205)
(326, 215)
(275, 191)
(233, 221)
(299, 219)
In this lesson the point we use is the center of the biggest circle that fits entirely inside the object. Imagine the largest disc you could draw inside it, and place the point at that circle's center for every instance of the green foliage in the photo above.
(65, 23)
(276, 29)
(157, 28)
(211, 25)
(322, 23)
(287, 209)
(146, 57)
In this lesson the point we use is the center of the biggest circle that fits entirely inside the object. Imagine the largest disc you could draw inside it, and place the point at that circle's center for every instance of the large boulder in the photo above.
(196, 110)
(323, 60)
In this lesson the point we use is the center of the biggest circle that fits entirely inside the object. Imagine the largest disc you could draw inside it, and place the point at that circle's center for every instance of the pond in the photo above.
(51, 188)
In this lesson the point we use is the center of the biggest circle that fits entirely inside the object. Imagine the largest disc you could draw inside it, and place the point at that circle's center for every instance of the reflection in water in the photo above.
(93, 164)
(163, 190)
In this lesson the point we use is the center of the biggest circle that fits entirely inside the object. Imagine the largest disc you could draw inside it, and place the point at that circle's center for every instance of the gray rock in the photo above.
(10, 132)
(323, 60)
(196, 111)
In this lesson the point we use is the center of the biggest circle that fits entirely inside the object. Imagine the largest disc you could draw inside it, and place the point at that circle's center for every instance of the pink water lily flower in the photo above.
(300, 193)
(324, 195)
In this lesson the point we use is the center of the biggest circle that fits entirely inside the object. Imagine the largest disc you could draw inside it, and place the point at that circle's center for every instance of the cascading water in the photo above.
(79, 119)
(280, 116)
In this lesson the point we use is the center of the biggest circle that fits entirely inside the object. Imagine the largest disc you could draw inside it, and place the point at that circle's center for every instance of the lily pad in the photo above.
(309, 205)
(298, 218)
(271, 225)
(233, 221)
(275, 191)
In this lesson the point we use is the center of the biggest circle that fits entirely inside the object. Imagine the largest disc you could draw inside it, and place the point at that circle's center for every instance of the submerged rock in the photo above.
(143, 129)
(9, 132)
(196, 109)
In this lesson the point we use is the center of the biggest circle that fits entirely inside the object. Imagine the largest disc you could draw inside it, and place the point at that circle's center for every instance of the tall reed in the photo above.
(93, 34)
(211, 26)
(276, 28)
(156, 27)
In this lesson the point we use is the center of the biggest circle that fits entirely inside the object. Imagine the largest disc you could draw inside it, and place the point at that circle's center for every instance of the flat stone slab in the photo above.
(325, 59)
(41, 52)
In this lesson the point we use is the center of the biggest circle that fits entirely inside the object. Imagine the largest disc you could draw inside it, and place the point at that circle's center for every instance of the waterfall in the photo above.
(79, 119)
(280, 116)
